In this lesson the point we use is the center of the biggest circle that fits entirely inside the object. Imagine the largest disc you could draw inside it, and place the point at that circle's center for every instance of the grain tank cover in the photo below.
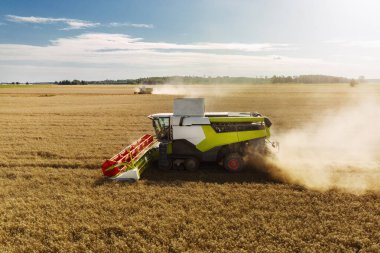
(189, 107)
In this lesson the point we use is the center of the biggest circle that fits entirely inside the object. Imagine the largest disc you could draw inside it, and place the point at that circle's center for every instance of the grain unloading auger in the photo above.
(190, 136)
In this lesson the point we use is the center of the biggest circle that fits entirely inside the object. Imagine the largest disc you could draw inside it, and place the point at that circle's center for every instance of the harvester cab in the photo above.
(161, 127)
(189, 136)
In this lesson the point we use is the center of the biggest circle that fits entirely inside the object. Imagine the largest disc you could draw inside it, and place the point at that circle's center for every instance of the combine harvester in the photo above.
(189, 136)
(143, 90)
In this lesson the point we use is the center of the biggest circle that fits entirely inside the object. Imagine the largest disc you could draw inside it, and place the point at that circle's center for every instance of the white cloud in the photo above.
(71, 23)
(366, 43)
(117, 24)
(252, 47)
(31, 19)
(89, 47)
(355, 43)
(79, 24)
(118, 42)
(95, 56)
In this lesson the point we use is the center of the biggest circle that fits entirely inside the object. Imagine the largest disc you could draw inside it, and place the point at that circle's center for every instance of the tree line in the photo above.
(73, 82)
(307, 79)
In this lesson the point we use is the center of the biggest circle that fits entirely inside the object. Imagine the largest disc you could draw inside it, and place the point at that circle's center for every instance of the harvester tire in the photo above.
(191, 164)
(233, 162)
(165, 166)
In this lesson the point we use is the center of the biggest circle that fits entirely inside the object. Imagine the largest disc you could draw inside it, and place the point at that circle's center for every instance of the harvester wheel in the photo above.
(233, 162)
(191, 164)
(165, 166)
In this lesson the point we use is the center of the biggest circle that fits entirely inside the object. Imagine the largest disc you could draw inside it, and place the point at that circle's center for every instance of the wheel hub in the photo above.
(233, 164)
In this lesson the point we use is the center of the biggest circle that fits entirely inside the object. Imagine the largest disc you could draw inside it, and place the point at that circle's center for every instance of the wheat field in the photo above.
(53, 140)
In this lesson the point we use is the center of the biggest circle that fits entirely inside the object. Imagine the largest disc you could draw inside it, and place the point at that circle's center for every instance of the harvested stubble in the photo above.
(53, 198)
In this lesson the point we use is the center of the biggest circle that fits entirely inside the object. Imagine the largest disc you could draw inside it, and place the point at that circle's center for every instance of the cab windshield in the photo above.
(162, 128)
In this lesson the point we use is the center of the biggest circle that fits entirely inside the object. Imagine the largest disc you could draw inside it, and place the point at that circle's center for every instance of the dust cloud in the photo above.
(172, 89)
(177, 87)
(339, 150)
(191, 90)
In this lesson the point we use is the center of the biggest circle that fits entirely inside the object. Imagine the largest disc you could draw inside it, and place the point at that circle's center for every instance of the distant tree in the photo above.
(64, 82)
(353, 83)
(282, 79)
(75, 82)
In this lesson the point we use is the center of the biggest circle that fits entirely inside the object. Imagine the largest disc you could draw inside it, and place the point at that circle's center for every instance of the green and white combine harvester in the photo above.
(190, 136)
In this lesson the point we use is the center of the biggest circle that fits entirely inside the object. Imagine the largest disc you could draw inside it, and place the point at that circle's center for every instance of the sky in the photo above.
(44, 40)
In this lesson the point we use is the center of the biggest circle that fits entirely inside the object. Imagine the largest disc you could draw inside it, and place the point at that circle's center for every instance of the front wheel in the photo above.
(233, 162)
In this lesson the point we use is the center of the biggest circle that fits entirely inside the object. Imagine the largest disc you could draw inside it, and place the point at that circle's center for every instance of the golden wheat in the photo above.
(53, 198)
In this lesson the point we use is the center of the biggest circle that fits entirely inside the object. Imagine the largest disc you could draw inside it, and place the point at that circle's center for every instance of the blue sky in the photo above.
(95, 40)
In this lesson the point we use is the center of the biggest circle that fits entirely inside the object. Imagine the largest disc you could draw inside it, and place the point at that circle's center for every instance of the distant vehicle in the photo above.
(143, 90)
